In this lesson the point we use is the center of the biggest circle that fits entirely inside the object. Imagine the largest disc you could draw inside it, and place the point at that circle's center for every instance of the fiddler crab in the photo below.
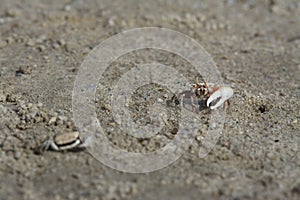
(61, 142)
(214, 95)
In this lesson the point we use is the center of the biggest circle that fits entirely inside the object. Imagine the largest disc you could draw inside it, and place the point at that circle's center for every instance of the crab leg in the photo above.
(220, 95)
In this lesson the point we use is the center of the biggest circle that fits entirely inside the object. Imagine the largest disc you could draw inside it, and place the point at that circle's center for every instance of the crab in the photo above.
(216, 95)
(187, 97)
(212, 95)
(63, 141)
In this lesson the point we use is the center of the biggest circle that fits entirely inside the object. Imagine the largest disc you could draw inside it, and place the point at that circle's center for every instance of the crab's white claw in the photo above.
(221, 95)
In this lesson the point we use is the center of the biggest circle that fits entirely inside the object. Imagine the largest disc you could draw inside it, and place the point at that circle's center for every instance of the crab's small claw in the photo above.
(219, 96)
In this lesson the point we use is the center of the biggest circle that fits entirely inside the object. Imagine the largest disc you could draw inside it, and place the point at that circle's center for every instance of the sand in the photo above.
(256, 47)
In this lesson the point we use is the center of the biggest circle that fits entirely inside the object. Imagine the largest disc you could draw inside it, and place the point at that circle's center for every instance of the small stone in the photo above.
(295, 121)
(159, 100)
(2, 43)
(44, 116)
(55, 45)
(41, 48)
(202, 18)
(189, 180)
(199, 138)
(111, 22)
(145, 142)
(61, 42)
(67, 8)
(222, 26)
(30, 43)
(27, 118)
(72, 46)
(13, 12)
(3, 109)
(9, 40)
(106, 107)
(30, 57)
(52, 120)
(76, 176)
(62, 118)
(163, 182)
(2, 97)
(46, 58)
(11, 126)
(17, 155)
(29, 105)
(39, 105)
(113, 124)
(214, 26)
(2, 20)
(41, 39)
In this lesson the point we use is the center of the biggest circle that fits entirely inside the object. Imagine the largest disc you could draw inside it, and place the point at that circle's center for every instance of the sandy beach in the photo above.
(255, 46)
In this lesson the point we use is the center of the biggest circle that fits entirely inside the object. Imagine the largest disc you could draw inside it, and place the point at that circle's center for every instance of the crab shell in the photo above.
(66, 141)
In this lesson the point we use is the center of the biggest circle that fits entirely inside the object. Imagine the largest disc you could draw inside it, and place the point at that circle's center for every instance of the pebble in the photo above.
(29, 105)
(202, 18)
(3, 109)
(39, 105)
(41, 48)
(61, 42)
(10, 40)
(199, 138)
(2, 43)
(67, 8)
(30, 43)
(75, 176)
(295, 121)
(41, 39)
(2, 97)
(46, 58)
(44, 116)
(4, 20)
(55, 45)
(13, 12)
(159, 100)
(61, 120)
(72, 46)
(107, 107)
(17, 155)
(30, 57)
(111, 21)
(52, 120)
(189, 180)
(113, 124)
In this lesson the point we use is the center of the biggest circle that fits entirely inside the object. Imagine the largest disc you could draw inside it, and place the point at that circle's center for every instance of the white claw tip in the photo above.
(221, 95)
